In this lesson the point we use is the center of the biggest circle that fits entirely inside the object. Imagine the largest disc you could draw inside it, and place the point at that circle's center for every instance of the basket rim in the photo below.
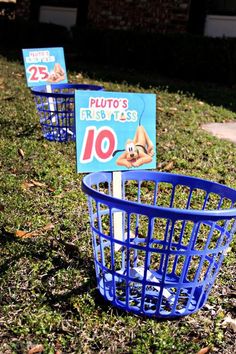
(151, 210)
(40, 90)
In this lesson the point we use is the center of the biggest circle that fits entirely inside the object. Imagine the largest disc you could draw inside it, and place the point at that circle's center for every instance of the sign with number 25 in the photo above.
(44, 66)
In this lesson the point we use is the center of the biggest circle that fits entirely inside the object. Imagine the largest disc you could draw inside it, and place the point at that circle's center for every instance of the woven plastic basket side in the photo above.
(56, 109)
(163, 266)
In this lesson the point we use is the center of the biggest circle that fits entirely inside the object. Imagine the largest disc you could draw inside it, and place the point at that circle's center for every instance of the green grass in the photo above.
(48, 290)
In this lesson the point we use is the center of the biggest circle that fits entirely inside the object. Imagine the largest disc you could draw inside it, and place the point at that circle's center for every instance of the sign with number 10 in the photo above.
(115, 131)
(44, 66)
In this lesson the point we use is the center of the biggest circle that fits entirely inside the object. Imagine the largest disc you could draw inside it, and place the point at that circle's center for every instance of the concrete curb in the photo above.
(225, 131)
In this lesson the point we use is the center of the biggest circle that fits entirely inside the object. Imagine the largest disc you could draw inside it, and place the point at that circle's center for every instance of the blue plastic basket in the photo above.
(175, 233)
(56, 109)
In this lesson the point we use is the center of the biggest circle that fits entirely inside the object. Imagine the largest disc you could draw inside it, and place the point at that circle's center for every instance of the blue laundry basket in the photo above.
(175, 233)
(56, 109)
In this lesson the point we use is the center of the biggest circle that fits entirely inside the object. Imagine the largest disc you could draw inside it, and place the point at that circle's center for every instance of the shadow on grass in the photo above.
(210, 92)
(61, 299)
(67, 257)
(10, 131)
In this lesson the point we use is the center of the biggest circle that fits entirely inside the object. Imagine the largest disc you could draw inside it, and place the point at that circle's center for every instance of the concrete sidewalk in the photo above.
(222, 130)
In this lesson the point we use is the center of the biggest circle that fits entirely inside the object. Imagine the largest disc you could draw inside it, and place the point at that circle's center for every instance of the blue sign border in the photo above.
(44, 66)
(101, 114)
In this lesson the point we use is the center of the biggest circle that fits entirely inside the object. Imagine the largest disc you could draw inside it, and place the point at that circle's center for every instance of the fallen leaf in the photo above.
(173, 109)
(229, 322)
(160, 164)
(37, 232)
(208, 307)
(169, 166)
(79, 76)
(58, 348)
(21, 233)
(26, 185)
(47, 227)
(13, 170)
(36, 349)
(204, 350)
(186, 107)
(27, 234)
(21, 153)
(168, 145)
(201, 103)
(160, 109)
(37, 184)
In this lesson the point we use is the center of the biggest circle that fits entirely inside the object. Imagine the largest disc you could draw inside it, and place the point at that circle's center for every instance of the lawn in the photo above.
(48, 294)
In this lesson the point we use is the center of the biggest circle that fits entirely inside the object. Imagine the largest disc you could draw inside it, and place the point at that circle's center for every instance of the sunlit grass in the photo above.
(48, 290)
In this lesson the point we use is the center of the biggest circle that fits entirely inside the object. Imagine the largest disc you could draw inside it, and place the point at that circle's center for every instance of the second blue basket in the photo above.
(56, 109)
(174, 235)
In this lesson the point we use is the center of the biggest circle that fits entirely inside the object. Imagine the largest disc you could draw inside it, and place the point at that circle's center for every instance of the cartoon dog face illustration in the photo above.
(131, 150)
(137, 152)
(57, 74)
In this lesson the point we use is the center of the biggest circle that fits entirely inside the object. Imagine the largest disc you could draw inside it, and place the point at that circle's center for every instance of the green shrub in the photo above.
(19, 34)
(185, 56)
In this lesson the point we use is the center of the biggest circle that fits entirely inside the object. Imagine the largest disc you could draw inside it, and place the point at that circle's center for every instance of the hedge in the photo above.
(185, 56)
(19, 34)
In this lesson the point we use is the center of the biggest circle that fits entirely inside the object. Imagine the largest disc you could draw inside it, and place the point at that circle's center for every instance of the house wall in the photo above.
(149, 15)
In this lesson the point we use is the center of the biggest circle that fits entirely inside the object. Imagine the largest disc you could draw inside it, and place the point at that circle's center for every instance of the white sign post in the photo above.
(118, 217)
(51, 103)
(115, 131)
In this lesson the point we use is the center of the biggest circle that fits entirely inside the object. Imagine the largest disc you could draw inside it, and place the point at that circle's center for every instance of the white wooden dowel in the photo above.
(118, 216)
(53, 109)
(51, 102)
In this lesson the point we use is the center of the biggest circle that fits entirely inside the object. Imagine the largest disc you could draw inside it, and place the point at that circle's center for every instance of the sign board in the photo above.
(44, 66)
(115, 131)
